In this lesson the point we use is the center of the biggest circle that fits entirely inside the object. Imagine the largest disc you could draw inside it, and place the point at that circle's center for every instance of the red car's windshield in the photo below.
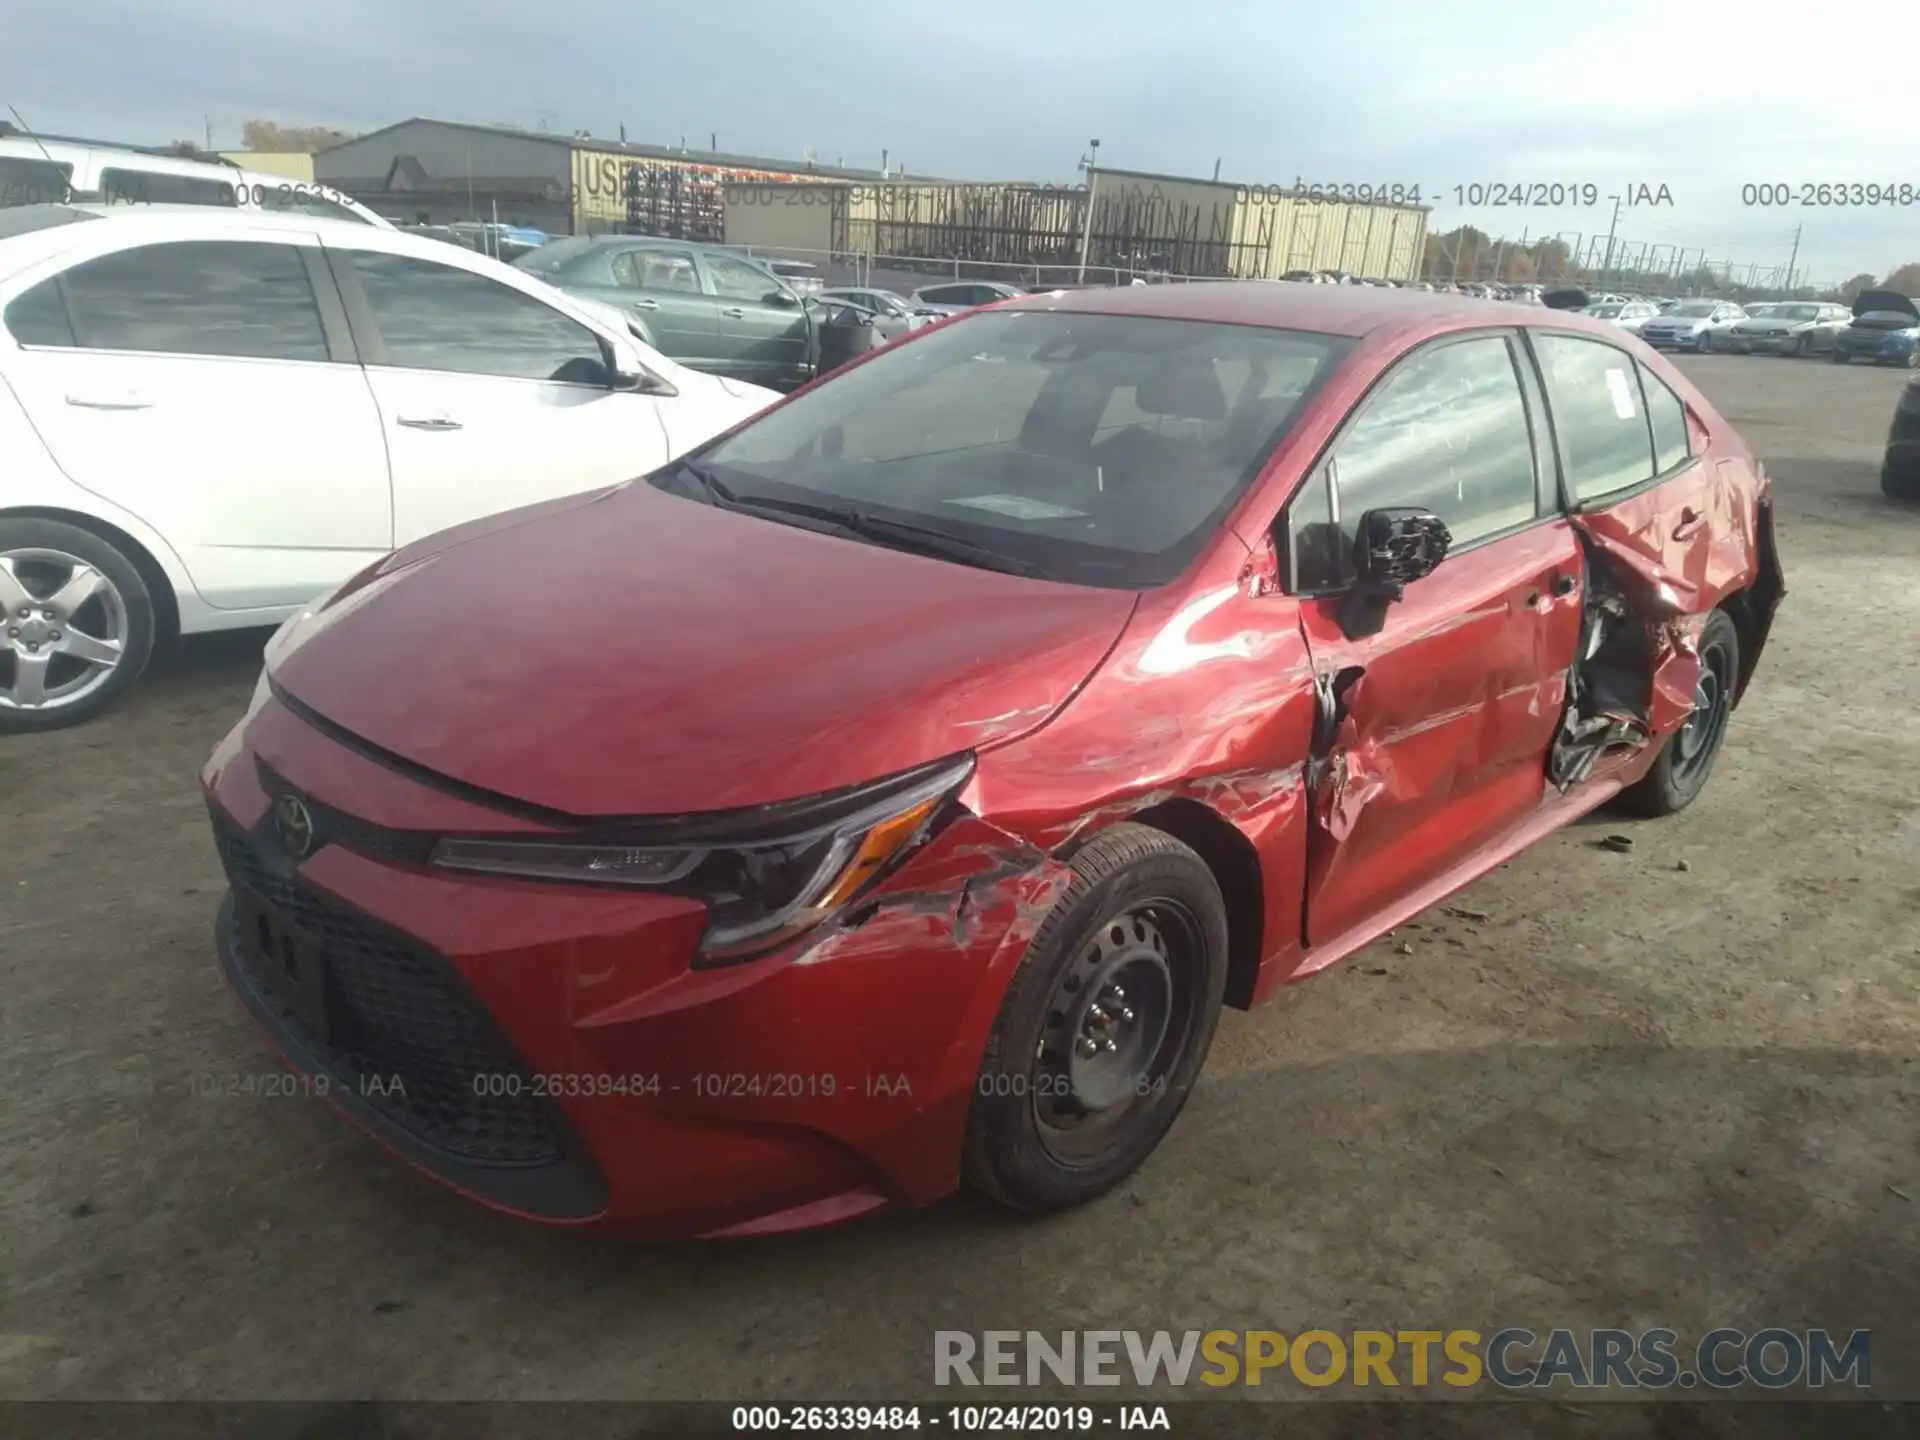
(1098, 449)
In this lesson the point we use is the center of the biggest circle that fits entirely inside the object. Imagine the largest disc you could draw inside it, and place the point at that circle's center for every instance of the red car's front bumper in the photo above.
(549, 1050)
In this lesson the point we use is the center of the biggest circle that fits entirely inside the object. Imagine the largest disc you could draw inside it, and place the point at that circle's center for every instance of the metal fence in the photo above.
(1611, 262)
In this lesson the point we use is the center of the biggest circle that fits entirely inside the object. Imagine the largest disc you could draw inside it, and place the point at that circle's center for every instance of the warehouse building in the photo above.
(1142, 222)
(438, 171)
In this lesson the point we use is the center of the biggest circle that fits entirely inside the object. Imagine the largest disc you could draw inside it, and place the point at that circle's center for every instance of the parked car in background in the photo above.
(1900, 470)
(958, 295)
(208, 417)
(708, 308)
(1628, 315)
(896, 315)
(1885, 329)
(1690, 324)
(1798, 327)
(802, 276)
(49, 171)
(1076, 618)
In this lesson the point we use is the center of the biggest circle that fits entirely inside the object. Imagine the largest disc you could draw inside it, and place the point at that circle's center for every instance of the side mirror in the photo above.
(1394, 548)
(784, 298)
(627, 372)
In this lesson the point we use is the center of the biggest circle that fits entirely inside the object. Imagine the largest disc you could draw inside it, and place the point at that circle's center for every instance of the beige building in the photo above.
(293, 164)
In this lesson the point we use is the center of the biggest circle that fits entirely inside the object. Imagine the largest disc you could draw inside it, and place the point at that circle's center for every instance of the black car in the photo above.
(1900, 473)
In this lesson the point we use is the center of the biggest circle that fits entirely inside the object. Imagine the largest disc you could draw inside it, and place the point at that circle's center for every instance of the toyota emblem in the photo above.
(294, 822)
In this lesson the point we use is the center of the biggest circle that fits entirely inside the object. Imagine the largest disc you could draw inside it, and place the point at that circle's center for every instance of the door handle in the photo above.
(643, 304)
(428, 422)
(735, 313)
(127, 400)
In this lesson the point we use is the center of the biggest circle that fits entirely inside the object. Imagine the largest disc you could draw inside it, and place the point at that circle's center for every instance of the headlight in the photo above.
(760, 891)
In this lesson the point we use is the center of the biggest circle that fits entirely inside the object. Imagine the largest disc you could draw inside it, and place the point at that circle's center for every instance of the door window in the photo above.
(223, 298)
(1669, 419)
(152, 187)
(656, 270)
(1598, 415)
(737, 280)
(437, 317)
(1447, 432)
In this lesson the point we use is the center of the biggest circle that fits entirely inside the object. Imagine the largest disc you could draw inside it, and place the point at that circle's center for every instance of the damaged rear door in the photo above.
(1434, 726)
(1669, 530)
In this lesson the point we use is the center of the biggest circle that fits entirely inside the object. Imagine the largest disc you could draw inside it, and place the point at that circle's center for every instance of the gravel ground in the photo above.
(1670, 1087)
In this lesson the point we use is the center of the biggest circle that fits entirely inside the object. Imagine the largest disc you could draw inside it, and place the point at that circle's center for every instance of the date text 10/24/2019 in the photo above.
(1473, 194)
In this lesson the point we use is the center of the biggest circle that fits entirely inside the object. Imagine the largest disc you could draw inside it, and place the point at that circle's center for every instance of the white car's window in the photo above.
(152, 187)
(1448, 432)
(437, 317)
(235, 299)
(1598, 415)
(1669, 420)
(34, 182)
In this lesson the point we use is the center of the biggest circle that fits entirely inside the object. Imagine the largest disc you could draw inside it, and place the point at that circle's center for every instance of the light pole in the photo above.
(1086, 231)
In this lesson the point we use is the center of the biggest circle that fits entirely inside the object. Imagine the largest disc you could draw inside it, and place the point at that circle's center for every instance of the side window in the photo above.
(942, 295)
(1668, 416)
(1321, 555)
(737, 280)
(218, 298)
(656, 270)
(626, 274)
(1597, 414)
(149, 187)
(1447, 431)
(437, 317)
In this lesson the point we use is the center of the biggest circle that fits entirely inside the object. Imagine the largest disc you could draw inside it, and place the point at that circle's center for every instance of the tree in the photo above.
(1905, 280)
(1853, 287)
(266, 135)
(186, 150)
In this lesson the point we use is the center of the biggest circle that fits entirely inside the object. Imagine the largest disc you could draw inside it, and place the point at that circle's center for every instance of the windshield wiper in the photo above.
(717, 490)
(898, 534)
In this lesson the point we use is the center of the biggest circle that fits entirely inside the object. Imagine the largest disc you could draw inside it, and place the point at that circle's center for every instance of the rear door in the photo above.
(208, 387)
(764, 330)
(1437, 726)
(490, 397)
(662, 290)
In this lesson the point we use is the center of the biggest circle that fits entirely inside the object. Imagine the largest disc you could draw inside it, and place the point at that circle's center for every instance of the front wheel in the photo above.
(1686, 759)
(1899, 484)
(1799, 346)
(78, 626)
(1837, 356)
(1104, 1026)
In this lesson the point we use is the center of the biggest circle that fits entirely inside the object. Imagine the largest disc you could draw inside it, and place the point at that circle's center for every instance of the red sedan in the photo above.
(889, 795)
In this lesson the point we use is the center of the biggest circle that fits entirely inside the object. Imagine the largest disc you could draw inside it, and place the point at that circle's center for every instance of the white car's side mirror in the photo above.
(629, 371)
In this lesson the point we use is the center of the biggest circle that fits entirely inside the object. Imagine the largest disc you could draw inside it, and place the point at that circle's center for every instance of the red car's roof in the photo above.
(1352, 310)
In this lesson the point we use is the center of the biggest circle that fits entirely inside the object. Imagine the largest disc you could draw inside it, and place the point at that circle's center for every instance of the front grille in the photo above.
(405, 1033)
(337, 827)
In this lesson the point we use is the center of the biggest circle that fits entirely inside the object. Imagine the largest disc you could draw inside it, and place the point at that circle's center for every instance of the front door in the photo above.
(492, 399)
(192, 384)
(1438, 725)
(661, 289)
(763, 326)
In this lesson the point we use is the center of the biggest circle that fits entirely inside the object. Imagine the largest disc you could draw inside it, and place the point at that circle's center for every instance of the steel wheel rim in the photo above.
(1104, 1058)
(65, 629)
(1695, 743)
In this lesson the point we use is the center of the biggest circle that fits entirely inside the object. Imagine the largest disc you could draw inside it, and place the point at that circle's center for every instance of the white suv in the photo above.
(209, 417)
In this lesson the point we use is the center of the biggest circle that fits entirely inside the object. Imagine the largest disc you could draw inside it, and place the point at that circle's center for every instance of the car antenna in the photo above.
(27, 130)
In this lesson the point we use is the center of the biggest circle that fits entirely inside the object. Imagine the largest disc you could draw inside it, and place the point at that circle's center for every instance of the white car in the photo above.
(1691, 324)
(209, 417)
(1629, 315)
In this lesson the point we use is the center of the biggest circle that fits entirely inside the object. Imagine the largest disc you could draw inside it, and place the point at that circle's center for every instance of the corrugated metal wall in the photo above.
(1276, 232)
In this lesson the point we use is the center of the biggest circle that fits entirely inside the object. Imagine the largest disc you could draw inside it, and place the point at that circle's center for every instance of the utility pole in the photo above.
(1086, 232)
(1607, 263)
(1788, 287)
(208, 120)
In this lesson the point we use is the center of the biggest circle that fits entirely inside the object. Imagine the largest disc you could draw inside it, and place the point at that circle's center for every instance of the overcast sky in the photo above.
(1696, 95)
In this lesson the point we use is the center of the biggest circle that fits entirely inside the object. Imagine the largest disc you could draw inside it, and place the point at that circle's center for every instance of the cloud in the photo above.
(1704, 97)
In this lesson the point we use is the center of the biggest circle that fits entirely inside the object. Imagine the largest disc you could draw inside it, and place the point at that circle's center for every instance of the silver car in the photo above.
(957, 295)
(893, 315)
(1691, 324)
(1627, 314)
(1798, 327)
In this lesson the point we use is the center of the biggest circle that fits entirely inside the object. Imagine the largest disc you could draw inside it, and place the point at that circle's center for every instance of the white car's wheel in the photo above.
(78, 629)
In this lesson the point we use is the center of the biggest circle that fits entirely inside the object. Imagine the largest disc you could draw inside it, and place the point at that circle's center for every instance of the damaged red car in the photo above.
(889, 795)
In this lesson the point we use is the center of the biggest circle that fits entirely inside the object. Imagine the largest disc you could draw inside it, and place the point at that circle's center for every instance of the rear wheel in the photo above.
(78, 626)
(1837, 355)
(1899, 485)
(1686, 759)
(1104, 1027)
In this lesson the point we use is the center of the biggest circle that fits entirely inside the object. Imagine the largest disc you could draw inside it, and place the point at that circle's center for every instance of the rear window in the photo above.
(1102, 449)
(34, 182)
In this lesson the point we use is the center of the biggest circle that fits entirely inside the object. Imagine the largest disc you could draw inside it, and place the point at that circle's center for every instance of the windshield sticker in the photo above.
(1019, 507)
(1620, 386)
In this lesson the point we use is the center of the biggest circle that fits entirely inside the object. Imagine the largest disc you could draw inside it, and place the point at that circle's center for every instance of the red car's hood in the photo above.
(638, 653)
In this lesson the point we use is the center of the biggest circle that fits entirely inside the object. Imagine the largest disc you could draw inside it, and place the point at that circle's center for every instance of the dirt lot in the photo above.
(1675, 1086)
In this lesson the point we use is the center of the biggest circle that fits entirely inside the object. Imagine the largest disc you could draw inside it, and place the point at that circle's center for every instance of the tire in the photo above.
(42, 557)
(1132, 886)
(1898, 486)
(1686, 758)
(1706, 342)
(1799, 347)
(1837, 355)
